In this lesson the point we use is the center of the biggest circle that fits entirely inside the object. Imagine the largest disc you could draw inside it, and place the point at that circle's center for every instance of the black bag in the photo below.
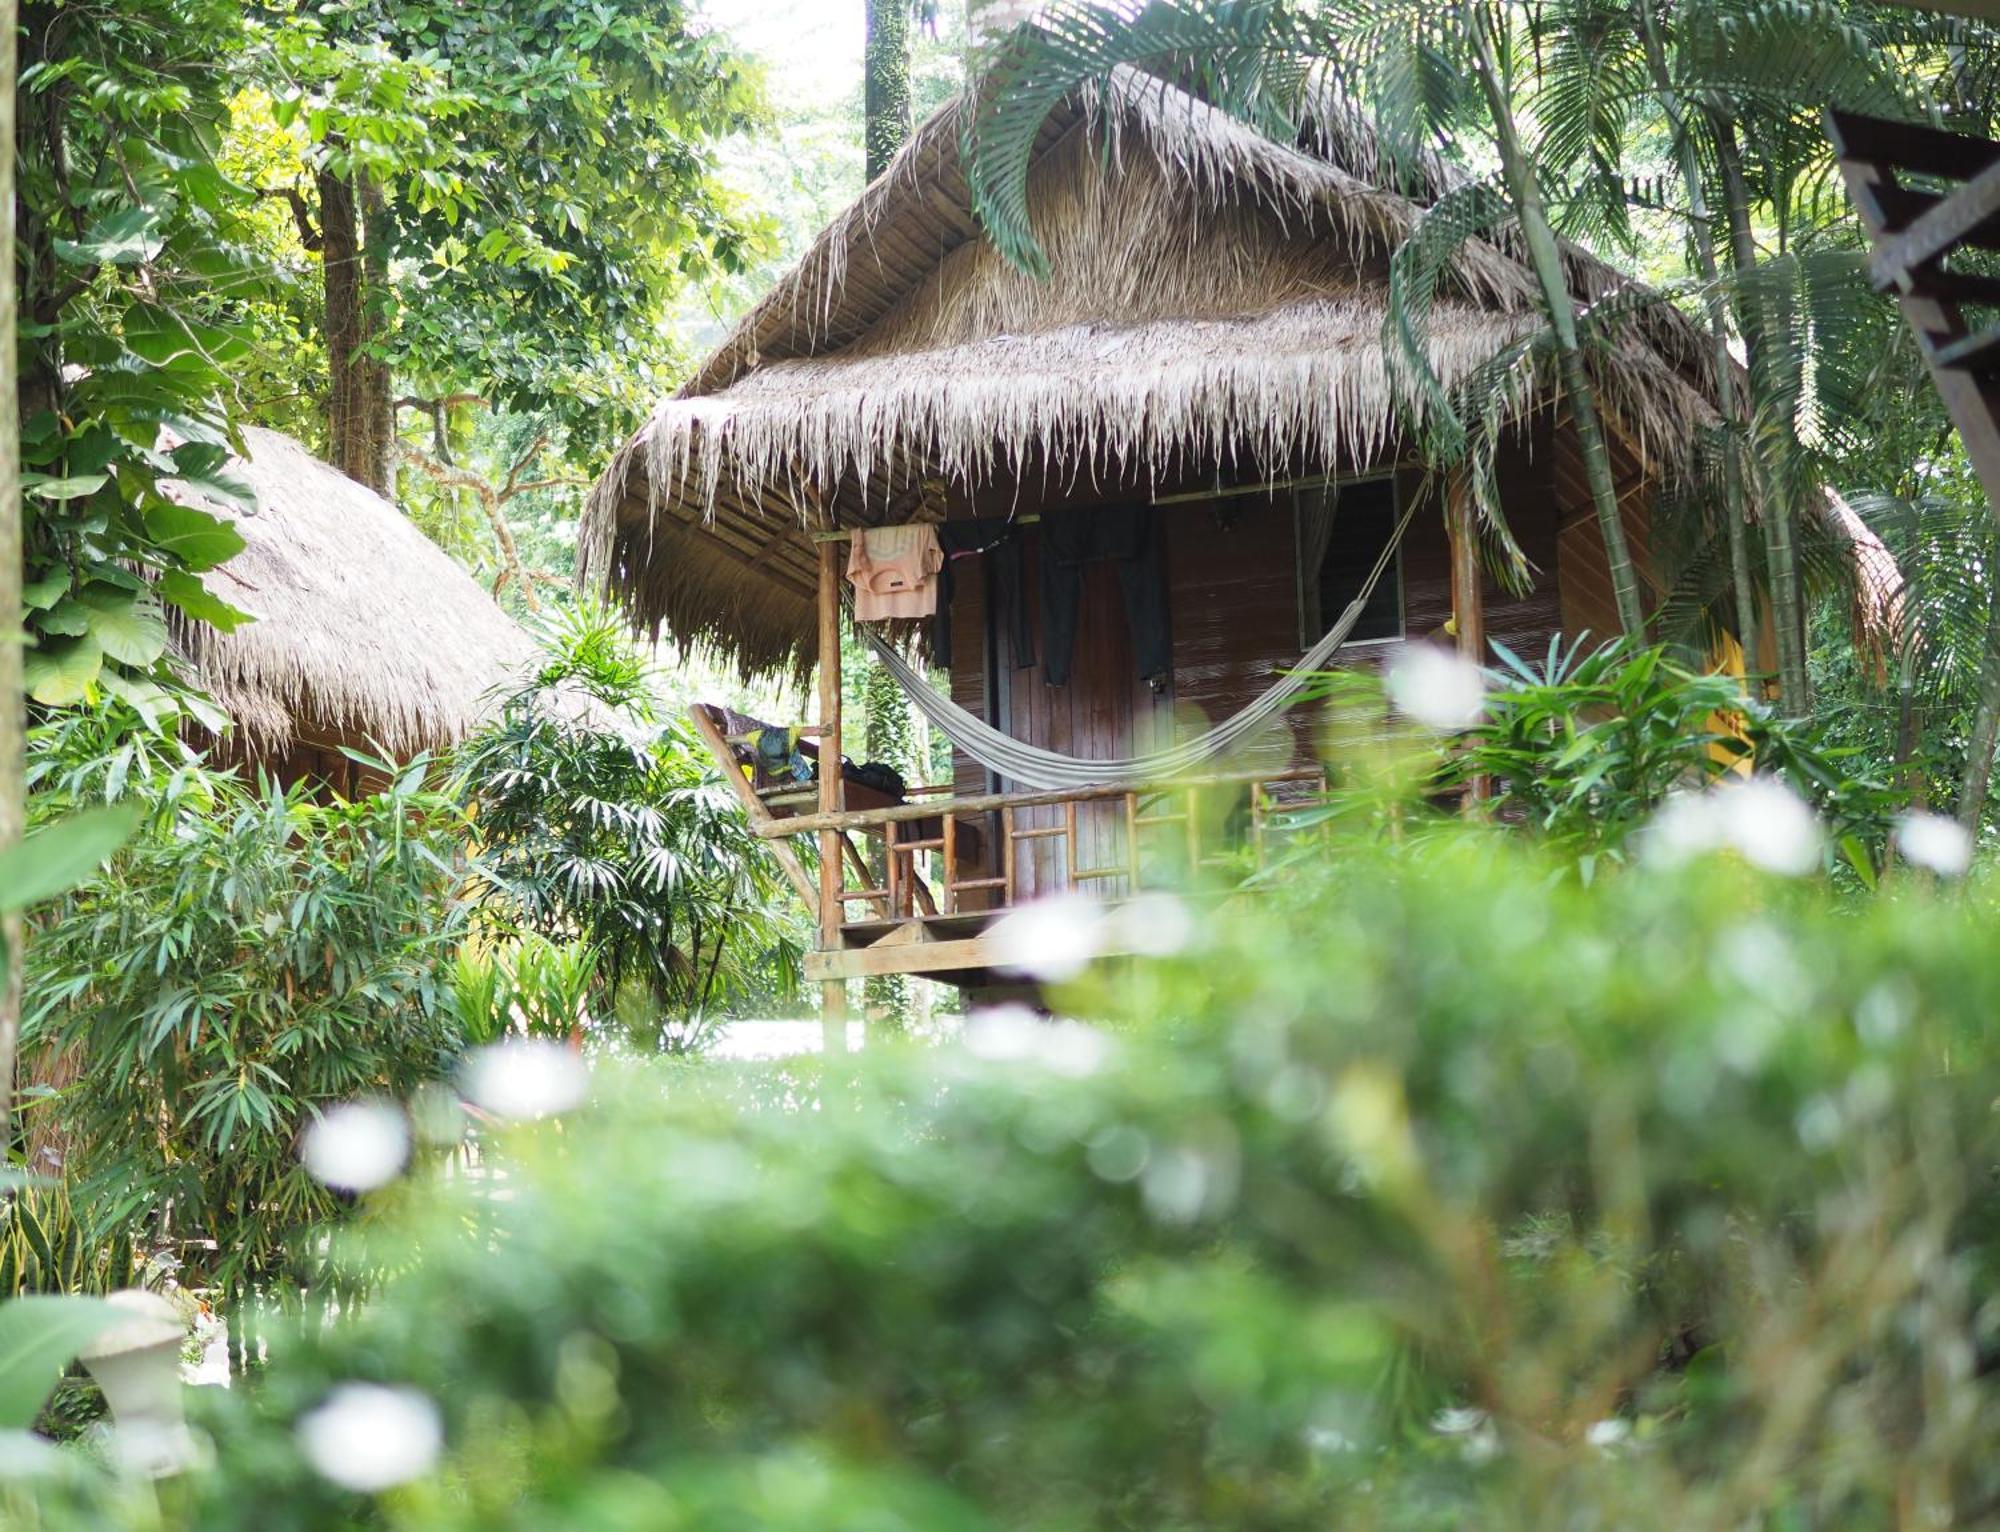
(883, 779)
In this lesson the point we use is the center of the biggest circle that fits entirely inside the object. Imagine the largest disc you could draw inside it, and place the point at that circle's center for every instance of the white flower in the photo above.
(1438, 688)
(1608, 1433)
(525, 1078)
(1150, 925)
(368, 1438)
(1935, 843)
(1772, 826)
(356, 1146)
(1013, 1034)
(1051, 939)
(1761, 819)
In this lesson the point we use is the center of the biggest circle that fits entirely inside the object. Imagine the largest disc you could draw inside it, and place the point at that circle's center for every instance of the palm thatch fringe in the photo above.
(365, 629)
(1216, 300)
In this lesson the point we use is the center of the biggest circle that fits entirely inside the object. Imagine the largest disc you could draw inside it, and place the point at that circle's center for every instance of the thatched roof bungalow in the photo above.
(367, 635)
(1209, 347)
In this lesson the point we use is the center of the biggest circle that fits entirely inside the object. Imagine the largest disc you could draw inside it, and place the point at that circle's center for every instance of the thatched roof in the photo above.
(1216, 300)
(366, 630)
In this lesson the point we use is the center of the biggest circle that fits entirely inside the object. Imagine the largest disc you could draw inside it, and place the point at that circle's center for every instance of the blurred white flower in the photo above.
(1935, 843)
(1772, 826)
(1051, 939)
(1149, 925)
(1438, 688)
(1761, 819)
(1014, 1034)
(525, 1078)
(368, 1438)
(357, 1146)
(1608, 1433)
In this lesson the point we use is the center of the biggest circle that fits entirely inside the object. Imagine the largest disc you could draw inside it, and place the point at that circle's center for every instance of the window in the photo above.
(1342, 530)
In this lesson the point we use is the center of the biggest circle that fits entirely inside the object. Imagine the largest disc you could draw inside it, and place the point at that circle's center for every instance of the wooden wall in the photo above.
(1231, 568)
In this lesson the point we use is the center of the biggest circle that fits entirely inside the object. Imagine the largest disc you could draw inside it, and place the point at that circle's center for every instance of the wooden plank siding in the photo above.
(1231, 568)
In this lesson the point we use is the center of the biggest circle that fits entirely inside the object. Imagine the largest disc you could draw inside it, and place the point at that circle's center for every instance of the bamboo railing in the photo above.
(998, 874)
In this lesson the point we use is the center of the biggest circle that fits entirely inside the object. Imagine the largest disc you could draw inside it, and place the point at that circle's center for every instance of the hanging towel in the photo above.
(999, 539)
(1122, 535)
(894, 571)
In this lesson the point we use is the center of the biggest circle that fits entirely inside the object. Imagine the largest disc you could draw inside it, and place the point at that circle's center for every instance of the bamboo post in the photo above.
(832, 799)
(1468, 605)
(1468, 608)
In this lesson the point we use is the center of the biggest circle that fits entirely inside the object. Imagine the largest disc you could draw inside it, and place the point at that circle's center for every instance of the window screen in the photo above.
(1342, 532)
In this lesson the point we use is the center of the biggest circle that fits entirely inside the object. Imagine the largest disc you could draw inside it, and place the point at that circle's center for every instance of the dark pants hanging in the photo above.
(999, 540)
(1125, 537)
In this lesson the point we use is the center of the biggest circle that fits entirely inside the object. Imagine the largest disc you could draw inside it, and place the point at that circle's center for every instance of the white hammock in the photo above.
(1031, 766)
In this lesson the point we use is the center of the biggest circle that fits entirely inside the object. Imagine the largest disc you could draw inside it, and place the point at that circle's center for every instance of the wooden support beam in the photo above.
(905, 956)
(833, 988)
(1468, 603)
(788, 859)
(1971, 210)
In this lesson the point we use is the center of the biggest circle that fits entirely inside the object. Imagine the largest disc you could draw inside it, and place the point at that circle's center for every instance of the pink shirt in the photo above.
(894, 571)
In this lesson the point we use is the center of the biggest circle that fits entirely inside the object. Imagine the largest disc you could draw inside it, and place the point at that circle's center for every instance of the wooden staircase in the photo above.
(1925, 197)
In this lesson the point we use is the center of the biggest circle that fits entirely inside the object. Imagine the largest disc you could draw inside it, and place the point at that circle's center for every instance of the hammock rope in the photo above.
(1051, 771)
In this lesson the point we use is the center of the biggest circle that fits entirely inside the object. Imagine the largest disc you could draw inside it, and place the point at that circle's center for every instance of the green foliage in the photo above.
(133, 265)
(1587, 747)
(1432, 1191)
(545, 179)
(543, 985)
(45, 1248)
(249, 957)
(599, 823)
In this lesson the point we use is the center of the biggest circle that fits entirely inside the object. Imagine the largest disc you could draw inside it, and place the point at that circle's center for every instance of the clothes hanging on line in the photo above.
(1124, 536)
(894, 571)
(998, 538)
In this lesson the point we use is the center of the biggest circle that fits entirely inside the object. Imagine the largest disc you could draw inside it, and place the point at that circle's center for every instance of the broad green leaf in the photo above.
(60, 674)
(202, 604)
(66, 619)
(201, 540)
(125, 625)
(40, 595)
(74, 487)
(123, 238)
(54, 859)
(39, 1337)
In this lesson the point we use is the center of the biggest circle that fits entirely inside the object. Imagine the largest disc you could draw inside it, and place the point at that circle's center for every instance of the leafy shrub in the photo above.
(598, 822)
(248, 959)
(1584, 748)
(1427, 1191)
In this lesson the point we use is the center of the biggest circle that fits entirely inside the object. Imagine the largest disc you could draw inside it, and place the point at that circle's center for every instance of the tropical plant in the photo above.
(539, 986)
(1586, 747)
(598, 823)
(250, 958)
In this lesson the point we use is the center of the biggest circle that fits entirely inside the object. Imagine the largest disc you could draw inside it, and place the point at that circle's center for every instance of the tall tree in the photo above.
(503, 197)
(13, 693)
(885, 85)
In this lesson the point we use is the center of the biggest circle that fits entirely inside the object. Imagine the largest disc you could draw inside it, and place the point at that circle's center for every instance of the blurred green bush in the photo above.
(1425, 1190)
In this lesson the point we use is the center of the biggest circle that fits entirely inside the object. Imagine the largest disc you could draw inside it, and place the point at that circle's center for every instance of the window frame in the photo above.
(1306, 582)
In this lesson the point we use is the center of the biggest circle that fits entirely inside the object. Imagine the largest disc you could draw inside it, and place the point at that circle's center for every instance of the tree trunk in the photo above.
(885, 90)
(1985, 724)
(1736, 506)
(1770, 406)
(1545, 256)
(13, 694)
(359, 407)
